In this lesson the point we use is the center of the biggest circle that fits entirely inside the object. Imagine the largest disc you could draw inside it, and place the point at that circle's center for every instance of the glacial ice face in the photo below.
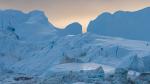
(26, 56)
(33, 26)
(120, 76)
(131, 25)
(74, 72)
(143, 78)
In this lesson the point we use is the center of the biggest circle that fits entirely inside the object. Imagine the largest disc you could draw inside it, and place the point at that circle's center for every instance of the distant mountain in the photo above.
(131, 25)
(72, 29)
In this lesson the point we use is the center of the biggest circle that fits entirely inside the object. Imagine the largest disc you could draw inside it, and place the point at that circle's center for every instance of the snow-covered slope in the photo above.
(35, 58)
(75, 67)
(131, 25)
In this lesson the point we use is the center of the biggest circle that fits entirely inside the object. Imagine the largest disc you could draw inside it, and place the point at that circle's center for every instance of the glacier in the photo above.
(33, 51)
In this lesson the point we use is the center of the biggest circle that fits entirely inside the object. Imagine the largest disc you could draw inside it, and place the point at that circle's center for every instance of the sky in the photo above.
(63, 12)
